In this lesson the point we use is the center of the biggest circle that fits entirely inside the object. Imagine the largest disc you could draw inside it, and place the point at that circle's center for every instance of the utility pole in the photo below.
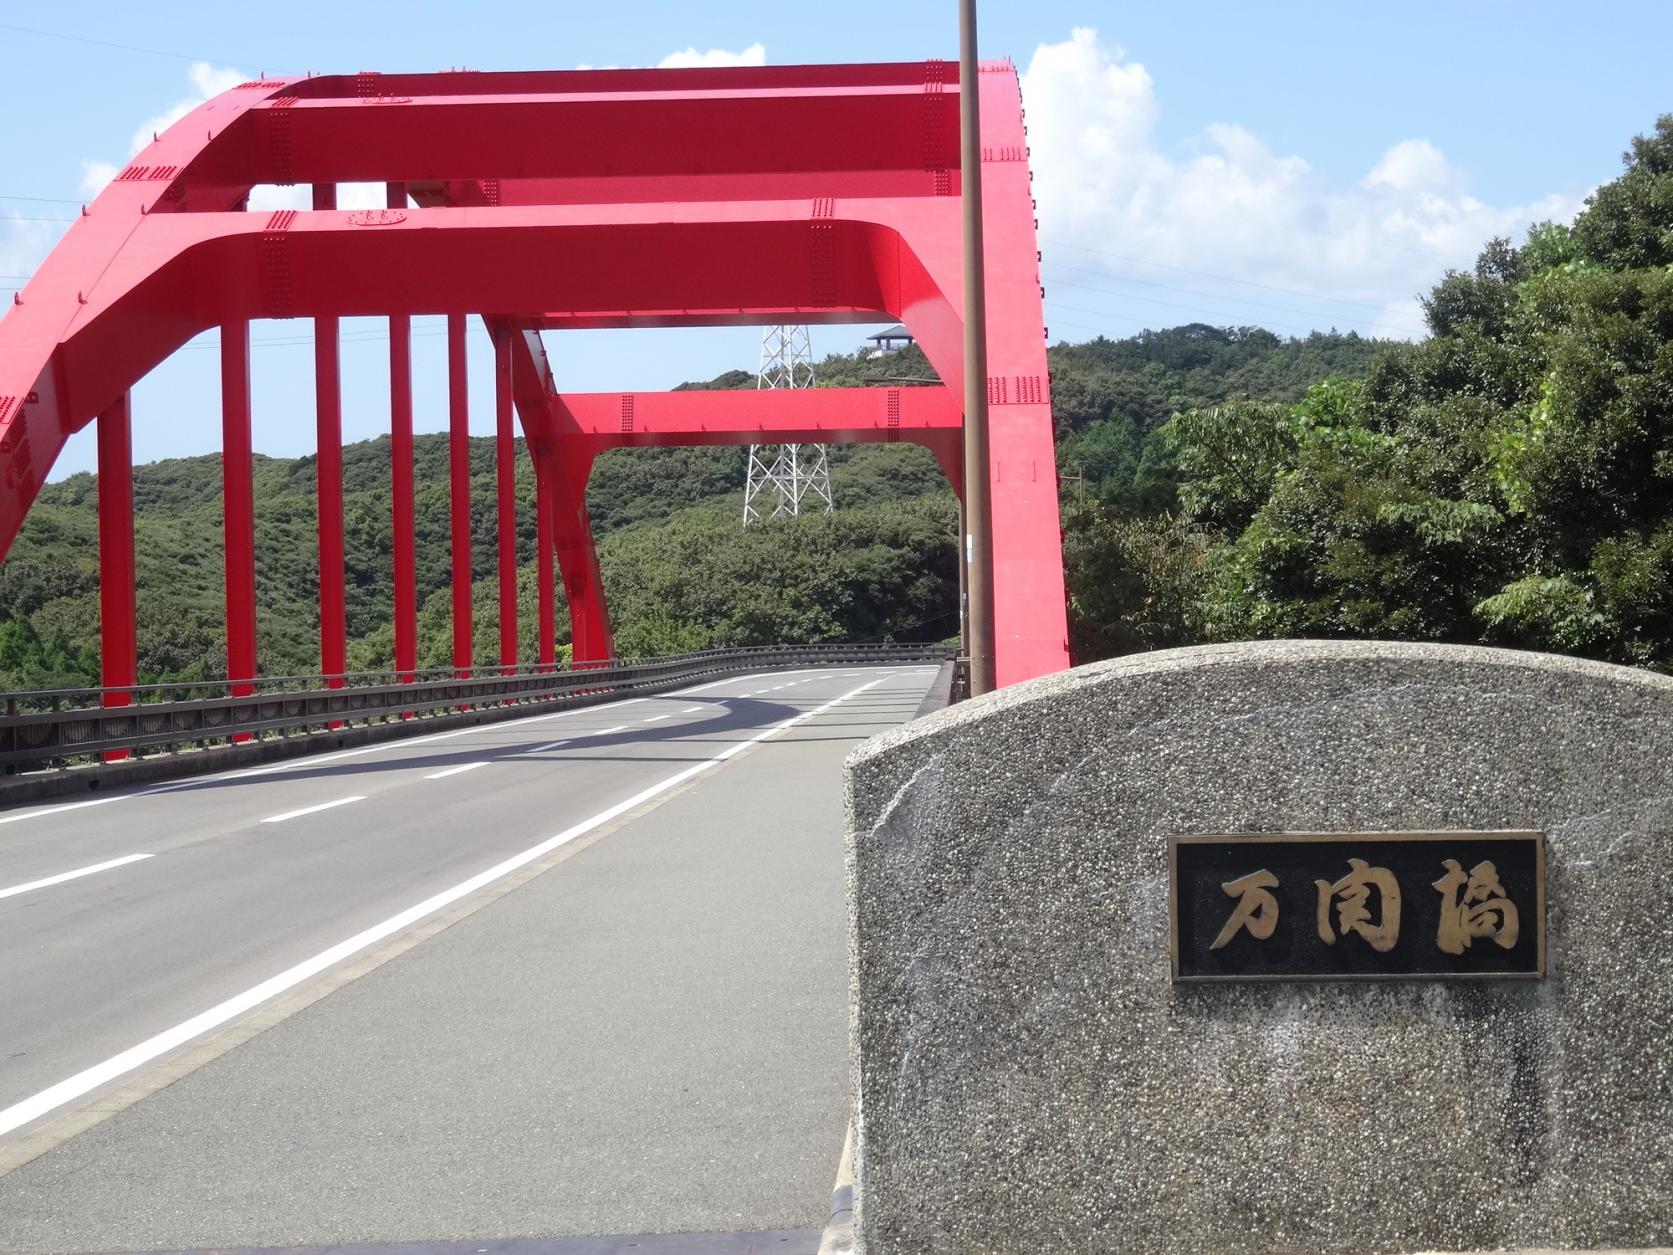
(978, 503)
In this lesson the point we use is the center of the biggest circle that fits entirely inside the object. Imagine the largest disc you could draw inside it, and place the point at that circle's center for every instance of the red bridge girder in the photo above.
(548, 201)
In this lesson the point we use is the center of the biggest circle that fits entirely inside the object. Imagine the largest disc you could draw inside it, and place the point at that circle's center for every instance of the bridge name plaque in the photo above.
(1357, 906)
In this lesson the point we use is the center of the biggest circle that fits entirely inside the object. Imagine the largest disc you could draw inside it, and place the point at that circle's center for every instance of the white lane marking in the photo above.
(745, 679)
(541, 749)
(61, 877)
(689, 710)
(83, 1082)
(580, 736)
(309, 760)
(312, 810)
(653, 718)
(731, 679)
(453, 771)
(53, 810)
(312, 760)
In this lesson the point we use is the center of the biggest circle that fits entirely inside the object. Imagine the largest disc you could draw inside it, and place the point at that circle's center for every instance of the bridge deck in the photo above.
(641, 1031)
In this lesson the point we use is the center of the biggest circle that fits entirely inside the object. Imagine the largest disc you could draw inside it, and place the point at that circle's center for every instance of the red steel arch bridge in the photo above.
(547, 201)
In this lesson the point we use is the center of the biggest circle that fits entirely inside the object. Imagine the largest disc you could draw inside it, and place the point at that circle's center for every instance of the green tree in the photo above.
(1507, 479)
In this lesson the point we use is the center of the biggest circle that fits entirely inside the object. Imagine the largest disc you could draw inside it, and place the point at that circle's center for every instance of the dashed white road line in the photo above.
(653, 718)
(137, 1056)
(714, 684)
(54, 810)
(310, 760)
(312, 810)
(61, 877)
(691, 710)
(541, 749)
(453, 771)
(621, 727)
(306, 761)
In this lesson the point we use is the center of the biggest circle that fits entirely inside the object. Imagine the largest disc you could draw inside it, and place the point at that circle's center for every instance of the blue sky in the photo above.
(1295, 165)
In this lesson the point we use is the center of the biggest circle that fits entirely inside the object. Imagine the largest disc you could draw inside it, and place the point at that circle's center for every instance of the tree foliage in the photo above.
(1509, 479)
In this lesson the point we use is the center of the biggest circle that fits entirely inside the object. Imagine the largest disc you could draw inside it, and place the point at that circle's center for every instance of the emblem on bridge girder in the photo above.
(376, 217)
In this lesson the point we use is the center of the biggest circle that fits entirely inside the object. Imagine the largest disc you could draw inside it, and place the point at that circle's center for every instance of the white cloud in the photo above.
(266, 197)
(1415, 165)
(755, 54)
(208, 81)
(1238, 209)
(23, 245)
(95, 174)
(361, 196)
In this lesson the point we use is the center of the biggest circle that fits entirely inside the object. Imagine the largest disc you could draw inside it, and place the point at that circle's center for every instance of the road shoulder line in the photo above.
(169, 1064)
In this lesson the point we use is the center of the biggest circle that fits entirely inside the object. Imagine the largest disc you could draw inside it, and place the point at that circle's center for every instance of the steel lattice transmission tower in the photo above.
(787, 475)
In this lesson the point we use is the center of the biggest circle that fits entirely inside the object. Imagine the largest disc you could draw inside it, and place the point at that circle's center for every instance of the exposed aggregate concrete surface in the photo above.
(1028, 1079)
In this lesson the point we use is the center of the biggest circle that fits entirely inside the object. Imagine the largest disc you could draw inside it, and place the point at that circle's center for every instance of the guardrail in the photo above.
(59, 728)
(960, 691)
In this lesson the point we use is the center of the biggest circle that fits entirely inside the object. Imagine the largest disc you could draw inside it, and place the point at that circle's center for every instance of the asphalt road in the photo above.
(633, 1022)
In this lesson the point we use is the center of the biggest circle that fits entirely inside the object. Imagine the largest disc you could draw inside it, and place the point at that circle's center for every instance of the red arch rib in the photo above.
(571, 199)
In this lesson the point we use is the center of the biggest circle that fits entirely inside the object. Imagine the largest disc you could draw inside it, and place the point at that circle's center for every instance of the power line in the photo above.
(368, 336)
(1127, 318)
(1214, 296)
(45, 200)
(105, 43)
(1102, 331)
(1146, 300)
(31, 218)
(358, 336)
(1206, 274)
(1189, 309)
(1101, 313)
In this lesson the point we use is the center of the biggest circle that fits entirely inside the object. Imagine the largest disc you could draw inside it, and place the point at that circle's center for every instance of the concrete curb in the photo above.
(940, 692)
(838, 1238)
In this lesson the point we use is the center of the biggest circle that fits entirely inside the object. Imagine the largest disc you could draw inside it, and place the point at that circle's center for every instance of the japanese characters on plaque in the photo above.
(1358, 906)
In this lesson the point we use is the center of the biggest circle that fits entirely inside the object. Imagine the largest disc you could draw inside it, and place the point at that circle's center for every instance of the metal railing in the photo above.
(961, 680)
(60, 727)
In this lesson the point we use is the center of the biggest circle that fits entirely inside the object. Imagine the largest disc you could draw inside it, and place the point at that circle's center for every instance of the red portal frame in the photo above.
(545, 201)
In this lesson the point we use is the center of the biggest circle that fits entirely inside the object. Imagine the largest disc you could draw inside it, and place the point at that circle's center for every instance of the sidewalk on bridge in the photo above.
(650, 1038)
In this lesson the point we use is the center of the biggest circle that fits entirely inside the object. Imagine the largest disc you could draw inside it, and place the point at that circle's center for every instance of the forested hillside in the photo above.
(1509, 479)
(679, 570)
